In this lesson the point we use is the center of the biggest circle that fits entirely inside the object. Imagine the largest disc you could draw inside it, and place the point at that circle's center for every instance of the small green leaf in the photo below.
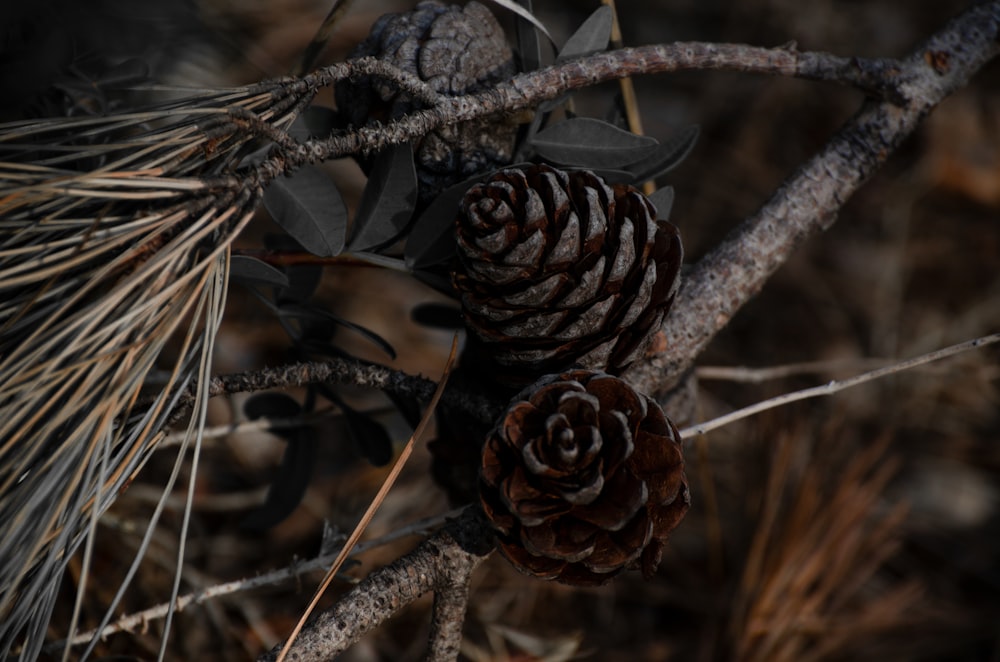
(271, 404)
(663, 200)
(432, 239)
(251, 271)
(388, 200)
(308, 207)
(591, 143)
(524, 13)
(591, 37)
(666, 157)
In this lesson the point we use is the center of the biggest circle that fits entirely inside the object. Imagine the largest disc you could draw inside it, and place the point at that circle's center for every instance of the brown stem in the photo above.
(808, 202)
(881, 78)
(345, 371)
(443, 562)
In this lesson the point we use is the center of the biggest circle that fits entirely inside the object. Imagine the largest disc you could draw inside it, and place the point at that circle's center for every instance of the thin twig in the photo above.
(837, 385)
(749, 375)
(132, 622)
(344, 371)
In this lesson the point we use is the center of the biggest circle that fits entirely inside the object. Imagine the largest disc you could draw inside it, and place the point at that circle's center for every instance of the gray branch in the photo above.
(808, 202)
(443, 563)
(343, 371)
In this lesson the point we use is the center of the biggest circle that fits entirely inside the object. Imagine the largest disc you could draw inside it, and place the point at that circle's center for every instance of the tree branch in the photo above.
(878, 77)
(345, 371)
(808, 202)
(442, 563)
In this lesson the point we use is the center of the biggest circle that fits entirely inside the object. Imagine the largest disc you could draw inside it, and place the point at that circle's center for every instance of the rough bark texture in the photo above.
(808, 202)
(442, 563)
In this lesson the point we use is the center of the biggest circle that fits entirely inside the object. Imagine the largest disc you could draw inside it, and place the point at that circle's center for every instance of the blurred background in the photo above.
(861, 526)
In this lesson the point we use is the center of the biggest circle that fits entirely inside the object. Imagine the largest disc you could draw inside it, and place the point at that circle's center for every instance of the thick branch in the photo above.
(736, 270)
(527, 90)
(443, 562)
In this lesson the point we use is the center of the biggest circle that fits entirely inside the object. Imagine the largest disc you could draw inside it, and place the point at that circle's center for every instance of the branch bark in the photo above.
(344, 371)
(877, 77)
(808, 202)
(443, 563)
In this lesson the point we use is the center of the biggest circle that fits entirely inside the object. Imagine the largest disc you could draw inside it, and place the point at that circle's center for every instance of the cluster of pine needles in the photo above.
(114, 242)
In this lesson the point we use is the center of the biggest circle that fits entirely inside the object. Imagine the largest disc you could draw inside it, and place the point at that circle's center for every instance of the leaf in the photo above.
(271, 404)
(308, 207)
(292, 476)
(303, 279)
(313, 313)
(437, 316)
(663, 200)
(251, 271)
(666, 157)
(432, 239)
(591, 37)
(388, 200)
(590, 143)
(611, 176)
(289, 484)
(526, 14)
(370, 438)
(408, 406)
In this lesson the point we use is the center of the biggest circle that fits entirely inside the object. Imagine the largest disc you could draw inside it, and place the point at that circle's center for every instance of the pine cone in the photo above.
(558, 269)
(456, 51)
(583, 477)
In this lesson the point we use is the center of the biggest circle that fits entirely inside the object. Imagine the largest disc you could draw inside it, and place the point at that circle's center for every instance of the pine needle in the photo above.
(111, 230)
(383, 491)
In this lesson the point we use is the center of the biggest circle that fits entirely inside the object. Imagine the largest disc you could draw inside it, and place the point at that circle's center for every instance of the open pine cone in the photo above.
(456, 50)
(582, 478)
(558, 270)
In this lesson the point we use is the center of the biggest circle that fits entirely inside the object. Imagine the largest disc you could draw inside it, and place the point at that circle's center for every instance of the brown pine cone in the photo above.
(582, 478)
(456, 50)
(559, 269)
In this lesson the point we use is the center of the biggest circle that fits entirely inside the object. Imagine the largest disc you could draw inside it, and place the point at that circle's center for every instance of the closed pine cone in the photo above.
(583, 478)
(456, 50)
(558, 270)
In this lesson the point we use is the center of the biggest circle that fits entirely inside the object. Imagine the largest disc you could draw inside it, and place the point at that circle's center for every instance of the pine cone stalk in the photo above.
(582, 478)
